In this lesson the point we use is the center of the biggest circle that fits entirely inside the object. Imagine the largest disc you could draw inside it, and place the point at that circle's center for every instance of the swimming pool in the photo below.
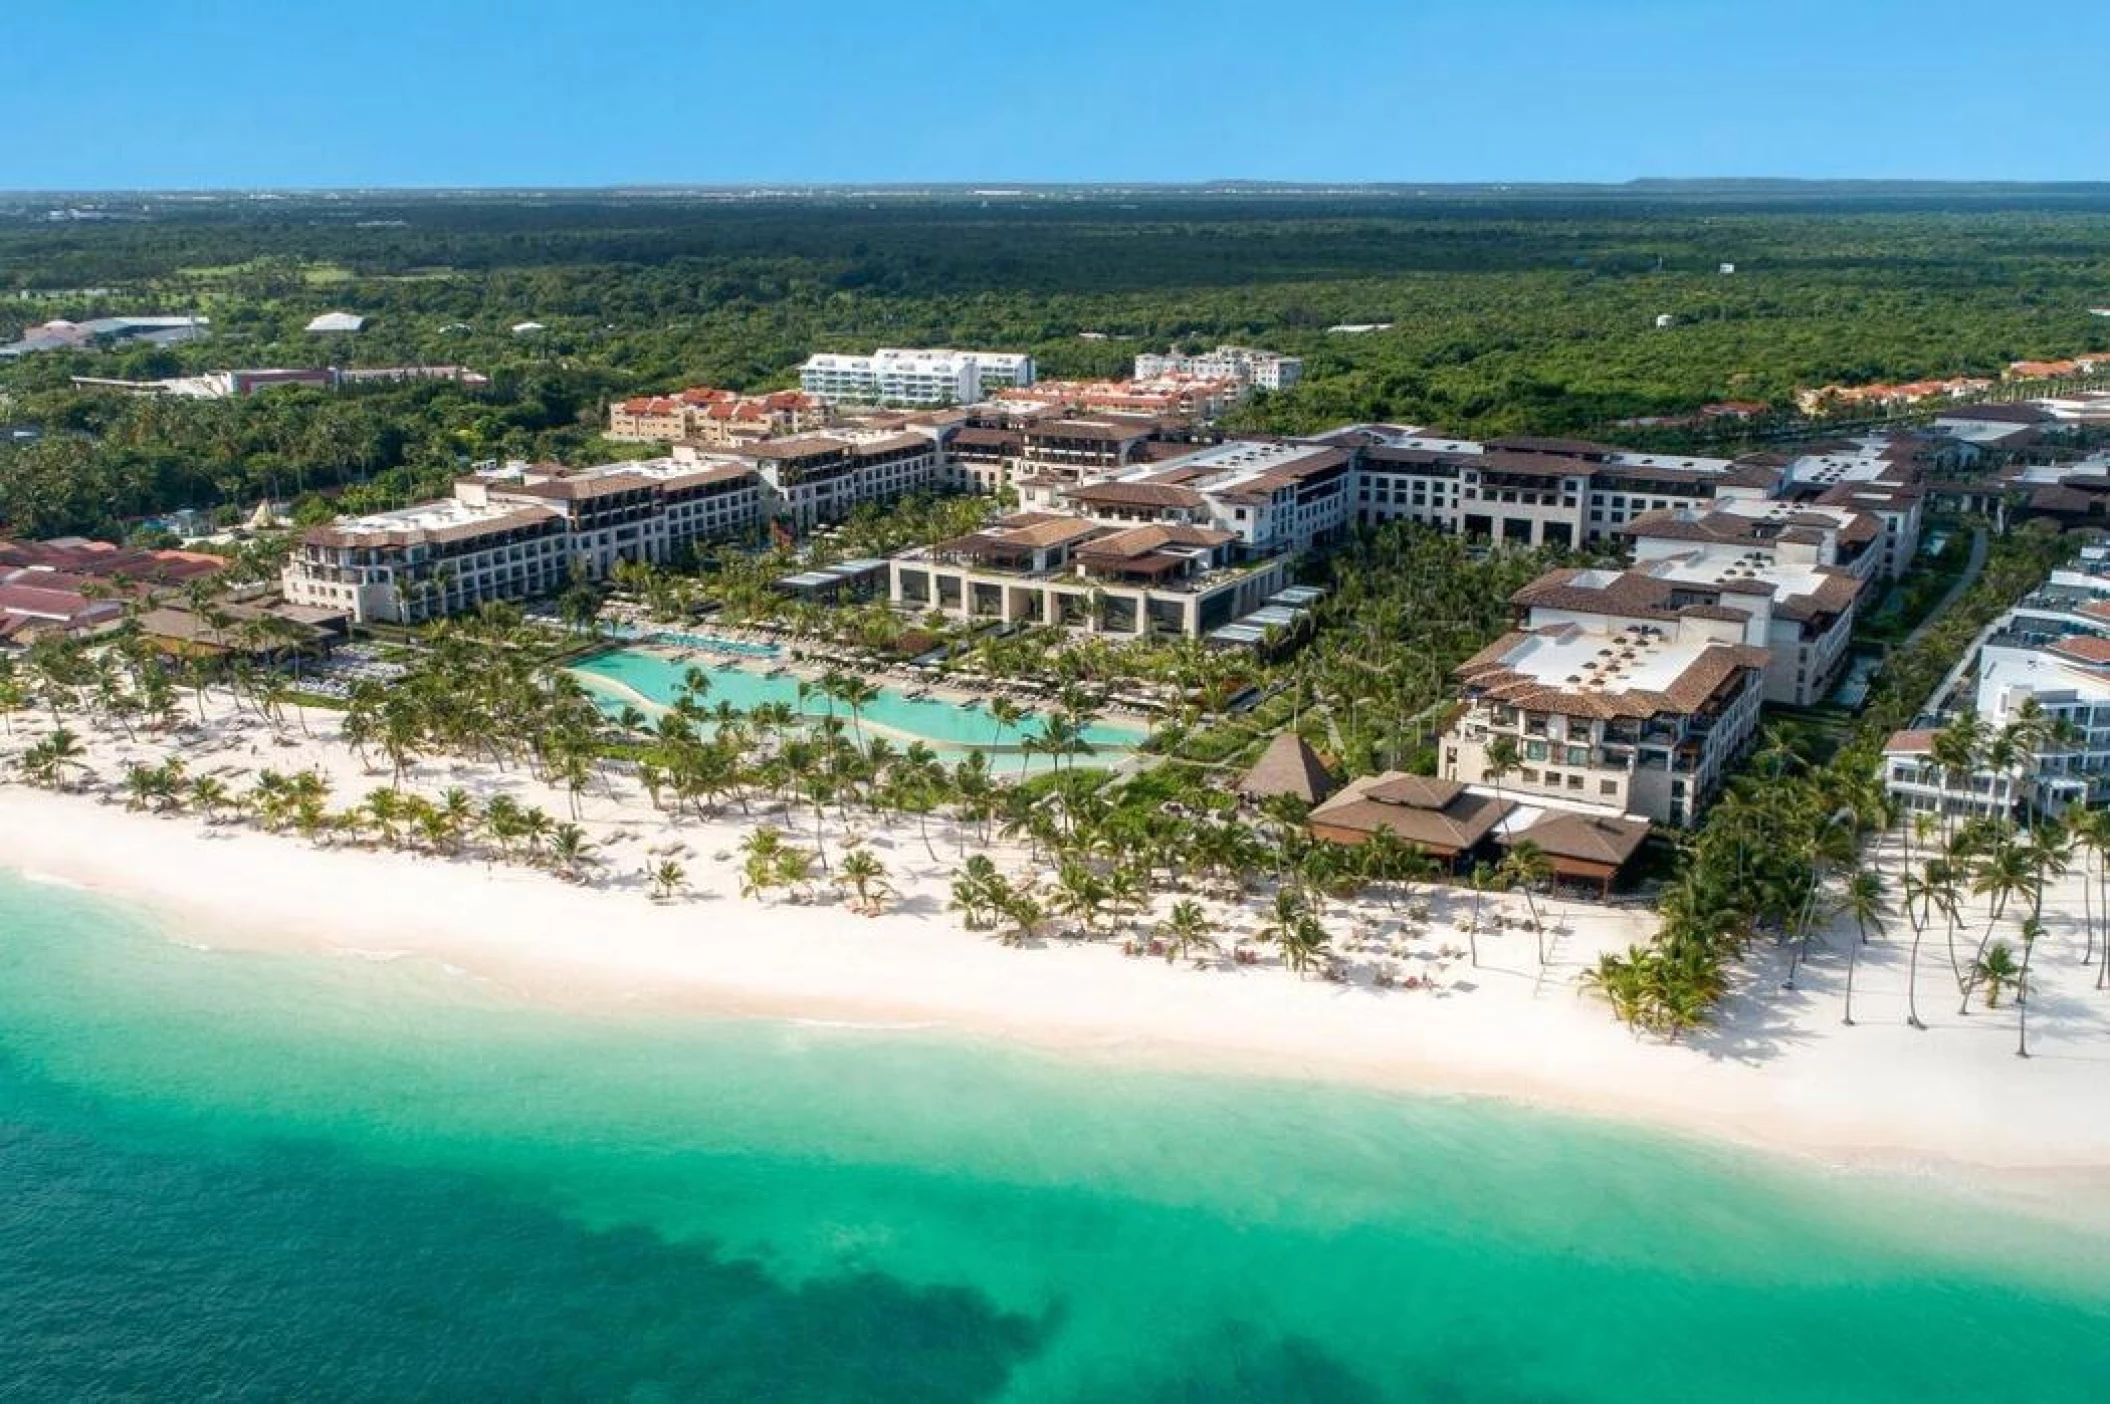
(950, 728)
(709, 643)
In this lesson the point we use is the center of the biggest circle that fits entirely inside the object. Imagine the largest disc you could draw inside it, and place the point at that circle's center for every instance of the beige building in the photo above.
(715, 418)
(516, 534)
(1611, 717)
(1041, 568)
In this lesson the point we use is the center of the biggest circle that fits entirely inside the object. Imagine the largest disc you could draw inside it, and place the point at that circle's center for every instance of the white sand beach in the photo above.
(1780, 1070)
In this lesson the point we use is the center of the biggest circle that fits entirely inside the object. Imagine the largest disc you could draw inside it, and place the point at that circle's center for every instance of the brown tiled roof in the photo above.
(2084, 648)
(1092, 430)
(2000, 414)
(1584, 838)
(1136, 494)
(1440, 815)
(1525, 443)
(1142, 540)
(1545, 465)
(568, 489)
(1909, 743)
(795, 447)
(1487, 674)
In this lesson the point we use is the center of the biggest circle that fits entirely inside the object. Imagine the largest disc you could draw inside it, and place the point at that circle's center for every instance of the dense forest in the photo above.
(1511, 311)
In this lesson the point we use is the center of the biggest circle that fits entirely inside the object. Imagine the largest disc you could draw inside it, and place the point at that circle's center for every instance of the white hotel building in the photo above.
(1243, 365)
(524, 531)
(893, 376)
(1610, 712)
(516, 533)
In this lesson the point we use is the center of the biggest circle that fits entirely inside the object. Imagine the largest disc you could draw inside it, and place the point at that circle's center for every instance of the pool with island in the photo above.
(651, 676)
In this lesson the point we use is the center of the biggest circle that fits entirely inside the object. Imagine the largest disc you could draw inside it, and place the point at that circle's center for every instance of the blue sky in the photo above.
(162, 93)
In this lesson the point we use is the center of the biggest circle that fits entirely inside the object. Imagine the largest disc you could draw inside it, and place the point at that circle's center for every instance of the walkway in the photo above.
(1964, 582)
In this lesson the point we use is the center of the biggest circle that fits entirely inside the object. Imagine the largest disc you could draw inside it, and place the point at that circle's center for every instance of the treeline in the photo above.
(1531, 315)
(105, 459)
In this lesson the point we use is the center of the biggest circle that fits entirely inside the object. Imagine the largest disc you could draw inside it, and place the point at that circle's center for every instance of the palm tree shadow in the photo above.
(1754, 1024)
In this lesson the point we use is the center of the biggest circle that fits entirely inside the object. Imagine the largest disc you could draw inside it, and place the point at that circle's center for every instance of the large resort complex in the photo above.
(1623, 696)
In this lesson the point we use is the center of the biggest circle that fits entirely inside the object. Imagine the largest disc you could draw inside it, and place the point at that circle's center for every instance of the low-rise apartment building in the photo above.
(896, 376)
(715, 418)
(1243, 365)
(1611, 716)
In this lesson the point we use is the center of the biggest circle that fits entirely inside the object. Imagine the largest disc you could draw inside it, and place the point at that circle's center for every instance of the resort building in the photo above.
(1801, 615)
(809, 479)
(2049, 656)
(1611, 717)
(1066, 571)
(2069, 682)
(1787, 533)
(1529, 491)
(715, 418)
(893, 376)
(1242, 365)
(516, 533)
(1166, 397)
(1276, 497)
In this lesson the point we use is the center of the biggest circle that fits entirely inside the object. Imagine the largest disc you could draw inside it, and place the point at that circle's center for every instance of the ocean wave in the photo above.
(53, 880)
(861, 1027)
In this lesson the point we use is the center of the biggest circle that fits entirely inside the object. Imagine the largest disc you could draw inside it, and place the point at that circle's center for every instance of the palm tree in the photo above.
(2032, 928)
(1304, 941)
(47, 762)
(2001, 873)
(1080, 893)
(571, 851)
(978, 892)
(667, 879)
(1024, 915)
(1006, 715)
(1997, 971)
(863, 873)
(1525, 866)
(1186, 928)
(1866, 902)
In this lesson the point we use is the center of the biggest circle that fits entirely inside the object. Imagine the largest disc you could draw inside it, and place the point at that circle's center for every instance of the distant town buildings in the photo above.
(108, 331)
(70, 585)
(234, 384)
(2089, 363)
(717, 418)
(1836, 399)
(1262, 370)
(893, 376)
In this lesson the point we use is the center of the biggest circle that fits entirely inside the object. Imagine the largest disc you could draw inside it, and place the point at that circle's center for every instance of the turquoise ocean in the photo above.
(242, 1175)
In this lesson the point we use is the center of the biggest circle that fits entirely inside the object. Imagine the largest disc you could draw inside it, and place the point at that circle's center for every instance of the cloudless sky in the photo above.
(243, 93)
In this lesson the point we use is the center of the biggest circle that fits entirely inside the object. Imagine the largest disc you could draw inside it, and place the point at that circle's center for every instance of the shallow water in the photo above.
(276, 1175)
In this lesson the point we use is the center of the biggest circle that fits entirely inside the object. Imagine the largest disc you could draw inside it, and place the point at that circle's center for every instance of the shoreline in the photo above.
(535, 939)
